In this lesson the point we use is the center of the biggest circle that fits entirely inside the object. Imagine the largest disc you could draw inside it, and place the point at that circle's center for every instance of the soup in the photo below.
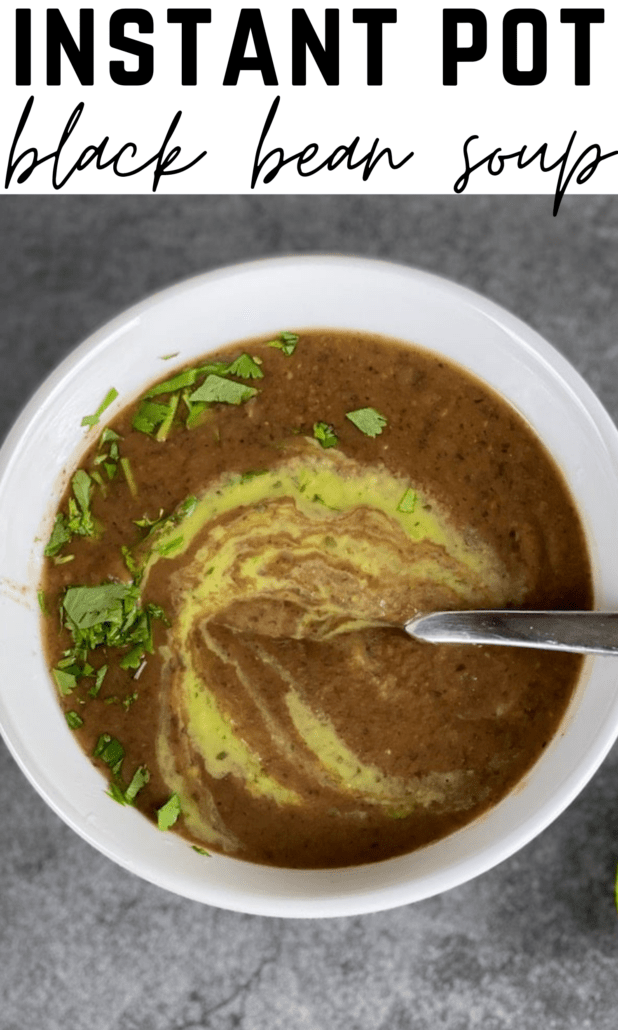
(233, 562)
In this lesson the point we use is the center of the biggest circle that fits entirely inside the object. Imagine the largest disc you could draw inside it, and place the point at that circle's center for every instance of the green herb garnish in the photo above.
(79, 521)
(127, 796)
(166, 425)
(110, 751)
(110, 615)
(149, 415)
(246, 367)
(164, 550)
(325, 434)
(285, 342)
(201, 851)
(368, 420)
(96, 687)
(217, 390)
(125, 465)
(65, 681)
(407, 503)
(74, 720)
(168, 813)
(110, 397)
(177, 382)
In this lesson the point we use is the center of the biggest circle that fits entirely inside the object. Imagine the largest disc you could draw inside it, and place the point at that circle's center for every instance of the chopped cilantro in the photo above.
(79, 521)
(60, 535)
(246, 367)
(201, 851)
(162, 521)
(110, 397)
(130, 562)
(110, 751)
(125, 465)
(149, 415)
(170, 546)
(42, 602)
(98, 479)
(285, 342)
(246, 477)
(168, 813)
(65, 681)
(368, 420)
(407, 503)
(81, 484)
(217, 368)
(108, 436)
(96, 687)
(178, 382)
(74, 720)
(215, 389)
(88, 607)
(116, 793)
(110, 615)
(141, 776)
(195, 411)
(166, 425)
(325, 434)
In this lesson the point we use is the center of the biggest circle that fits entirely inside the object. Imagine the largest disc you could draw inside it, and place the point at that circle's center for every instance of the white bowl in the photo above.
(201, 315)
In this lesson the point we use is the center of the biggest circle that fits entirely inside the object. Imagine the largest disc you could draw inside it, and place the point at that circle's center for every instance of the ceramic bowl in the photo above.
(201, 315)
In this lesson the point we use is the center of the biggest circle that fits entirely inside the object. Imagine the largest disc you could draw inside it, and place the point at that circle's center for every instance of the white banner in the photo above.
(381, 97)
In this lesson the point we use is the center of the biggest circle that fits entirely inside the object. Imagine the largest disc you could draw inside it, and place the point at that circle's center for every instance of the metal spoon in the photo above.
(583, 632)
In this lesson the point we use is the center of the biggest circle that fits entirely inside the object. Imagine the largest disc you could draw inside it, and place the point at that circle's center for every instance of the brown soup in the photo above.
(233, 562)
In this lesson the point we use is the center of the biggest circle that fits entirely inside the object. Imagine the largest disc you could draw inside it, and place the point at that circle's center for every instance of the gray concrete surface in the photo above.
(87, 946)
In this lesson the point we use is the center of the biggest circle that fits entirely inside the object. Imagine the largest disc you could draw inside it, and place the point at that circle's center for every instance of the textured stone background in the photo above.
(87, 946)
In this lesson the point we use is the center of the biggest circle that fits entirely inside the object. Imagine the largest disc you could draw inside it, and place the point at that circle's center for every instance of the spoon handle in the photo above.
(583, 632)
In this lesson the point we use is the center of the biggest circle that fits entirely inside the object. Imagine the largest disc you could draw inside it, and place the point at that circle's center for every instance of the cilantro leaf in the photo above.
(285, 342)
(170, 546)
(65, 681)
(110, 751)
(177, 382)
(110, 397)
(407, 503)
(82, 484)
(74, 720)
(108, 436)
(91, 606)
(96, 687)
(127, 471)
(149, 415)
(166, 425)
(140, 778)
(368, 420)
(325, 434)
(217, 368)
(215, 389)
(246, 367)
(110, 615)
(168, 813)
(79, 521)
(60, 535)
